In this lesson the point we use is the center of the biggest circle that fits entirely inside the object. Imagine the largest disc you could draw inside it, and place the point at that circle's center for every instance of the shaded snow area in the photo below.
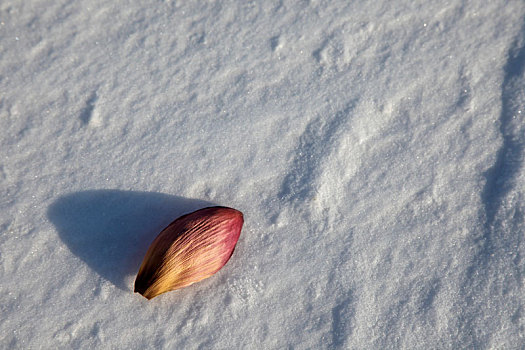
(376, 149)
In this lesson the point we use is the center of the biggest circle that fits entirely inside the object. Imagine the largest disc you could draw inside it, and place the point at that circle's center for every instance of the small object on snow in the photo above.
(190, 249)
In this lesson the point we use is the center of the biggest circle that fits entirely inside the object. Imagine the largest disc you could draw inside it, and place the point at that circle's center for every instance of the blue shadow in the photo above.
(110, 230)
(509, 158)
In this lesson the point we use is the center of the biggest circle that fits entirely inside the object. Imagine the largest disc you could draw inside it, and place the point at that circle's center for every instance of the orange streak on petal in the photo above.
(192, 248)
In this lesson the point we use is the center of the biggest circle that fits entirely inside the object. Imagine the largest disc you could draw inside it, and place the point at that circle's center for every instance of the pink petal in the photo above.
(190, 249)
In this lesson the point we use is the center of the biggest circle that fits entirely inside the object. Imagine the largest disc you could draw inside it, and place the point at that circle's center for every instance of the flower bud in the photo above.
(190, 249)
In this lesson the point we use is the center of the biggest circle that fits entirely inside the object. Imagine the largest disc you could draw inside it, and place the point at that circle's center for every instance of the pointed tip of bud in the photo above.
(193, 247)
(139, 288)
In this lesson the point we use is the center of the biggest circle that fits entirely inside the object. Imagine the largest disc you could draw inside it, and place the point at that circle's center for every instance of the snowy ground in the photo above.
(376, 149)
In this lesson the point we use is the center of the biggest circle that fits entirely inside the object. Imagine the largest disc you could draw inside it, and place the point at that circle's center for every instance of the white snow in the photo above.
(376, 149)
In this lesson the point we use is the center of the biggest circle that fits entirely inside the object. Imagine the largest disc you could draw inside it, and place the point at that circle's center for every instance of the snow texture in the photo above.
(376, 149)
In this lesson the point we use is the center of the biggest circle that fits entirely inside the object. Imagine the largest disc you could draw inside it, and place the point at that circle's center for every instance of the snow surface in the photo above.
(376, 149)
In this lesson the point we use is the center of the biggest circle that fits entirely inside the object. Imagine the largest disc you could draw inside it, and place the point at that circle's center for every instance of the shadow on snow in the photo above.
(110, 230)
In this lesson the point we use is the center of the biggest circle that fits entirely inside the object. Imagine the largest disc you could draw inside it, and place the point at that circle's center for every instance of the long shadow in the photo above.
(500, 181)
(510, 156)
(110, 230)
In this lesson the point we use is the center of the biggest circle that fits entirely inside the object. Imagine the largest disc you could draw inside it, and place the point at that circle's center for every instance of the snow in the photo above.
(376, 150)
